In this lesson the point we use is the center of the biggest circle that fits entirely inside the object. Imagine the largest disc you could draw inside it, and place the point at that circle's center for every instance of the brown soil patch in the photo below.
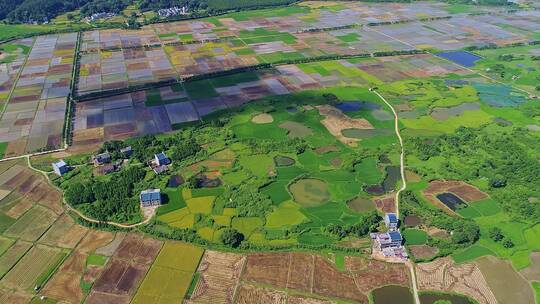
(120, 277)
(403, 107)
(423, 252)
(336, 162)
(263, 118)
(412, 221)
(65, 285)
(106, 298)
(532, 273)
(16, 147)
(94, 240)
(64, 233)
(92, 273)
(327, 149)
(369, 274)
(259, 266)
(138, 249)
(385, 204)
(437, 232)
(335, 122)
(248, 294)
(446, 276)
(219, 275)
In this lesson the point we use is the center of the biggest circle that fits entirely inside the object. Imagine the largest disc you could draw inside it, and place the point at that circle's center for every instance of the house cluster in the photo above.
(172, 11)
(390, 243)
(98, 16)
(104, 164)
(159, 163)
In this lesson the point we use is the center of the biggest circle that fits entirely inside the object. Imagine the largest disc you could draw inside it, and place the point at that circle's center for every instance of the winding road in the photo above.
(409, 264)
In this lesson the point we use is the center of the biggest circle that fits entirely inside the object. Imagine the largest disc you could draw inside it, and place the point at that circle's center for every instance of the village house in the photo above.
(161, 159)
(391, 221)
(127, 151)
(60, 167)
(102, 158)
(150, 197)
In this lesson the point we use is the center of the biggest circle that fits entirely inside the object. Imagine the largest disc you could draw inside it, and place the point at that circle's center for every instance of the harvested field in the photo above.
(19, 208)
(295, 129)
(65, 284)
(305, 300)
(110, 248)
(260, 265)
(423, 252)
(12, 256)
(507, 285)
(14, 297)
(301, 271)
(247, 294)
(370, 274)
(138, 249)
(446, 276)
(219, 275)
(335, 122)
(32, 224)
(461, 189)
(263, 118)
(120, 277)
(97, 240)
(329, 282)
(28, 271)
(64, 233)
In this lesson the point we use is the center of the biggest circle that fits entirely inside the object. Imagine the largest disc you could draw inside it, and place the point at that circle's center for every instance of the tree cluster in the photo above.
(366, 224)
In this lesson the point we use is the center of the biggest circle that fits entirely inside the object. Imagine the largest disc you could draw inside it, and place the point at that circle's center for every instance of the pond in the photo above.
(175, 181)
(389, 294)
(451, 201)
(353, 106)
(283, 161)
(309, 192)
(431, 298)
(463, 58)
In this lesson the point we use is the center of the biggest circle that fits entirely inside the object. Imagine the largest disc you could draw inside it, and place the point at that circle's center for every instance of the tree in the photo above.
(231, 237)
(507, 243)
(79, 193)
(495, 234)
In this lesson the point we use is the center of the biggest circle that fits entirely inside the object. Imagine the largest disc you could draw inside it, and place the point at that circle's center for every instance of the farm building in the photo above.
(102, 158)
(391, 221)
(385, 240)
(160, 169)
(127, 151)
(150, 197)
(60, 167)
(161, 159)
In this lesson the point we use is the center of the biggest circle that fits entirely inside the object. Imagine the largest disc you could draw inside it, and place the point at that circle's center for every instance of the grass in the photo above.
(173, 199)
(200, 89)
(415, 237)
(536, 288)
(10, 31)
(471, 253)
(193, 284)
(246, 225)
(201, 204)
(96, 259)
(231, 80)
(5, 222)
(285, 215)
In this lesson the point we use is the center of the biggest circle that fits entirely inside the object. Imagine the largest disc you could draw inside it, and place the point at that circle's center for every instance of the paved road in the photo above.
(403, 187)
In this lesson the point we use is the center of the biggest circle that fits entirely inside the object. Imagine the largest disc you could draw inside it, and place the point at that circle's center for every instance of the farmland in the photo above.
(278, 141)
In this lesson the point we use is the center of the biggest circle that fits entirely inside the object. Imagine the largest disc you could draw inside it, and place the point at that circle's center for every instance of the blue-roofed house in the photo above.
(391, 239)
(150, 197)
(60, 167)
(391, 221)
(161, 159)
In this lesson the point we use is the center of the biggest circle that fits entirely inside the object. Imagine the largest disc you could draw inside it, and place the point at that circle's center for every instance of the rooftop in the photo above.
(161, 156)
(60, 163)
(150, 195)
(392, 217)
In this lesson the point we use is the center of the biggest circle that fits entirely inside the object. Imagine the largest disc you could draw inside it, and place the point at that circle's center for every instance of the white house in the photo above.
(150, 197)
(60, 167)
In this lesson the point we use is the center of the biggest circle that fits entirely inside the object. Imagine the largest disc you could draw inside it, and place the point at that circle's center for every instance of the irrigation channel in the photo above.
(403, 186)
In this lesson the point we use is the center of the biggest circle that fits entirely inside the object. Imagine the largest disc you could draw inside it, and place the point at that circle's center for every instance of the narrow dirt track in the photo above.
(403, 187)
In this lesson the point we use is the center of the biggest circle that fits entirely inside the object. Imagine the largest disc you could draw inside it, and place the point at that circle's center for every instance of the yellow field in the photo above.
(170, 275)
